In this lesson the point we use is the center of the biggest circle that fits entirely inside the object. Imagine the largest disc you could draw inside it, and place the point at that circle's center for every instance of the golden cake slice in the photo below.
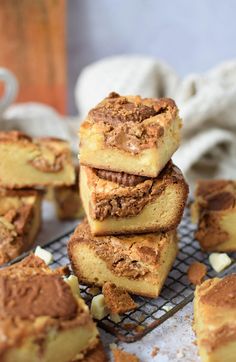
(136, 263)
(214, 210)
(41, 319)
(130, 134)
(20, 220)
(28, 162)
(67, 200)
(118, 203)
(215, 319)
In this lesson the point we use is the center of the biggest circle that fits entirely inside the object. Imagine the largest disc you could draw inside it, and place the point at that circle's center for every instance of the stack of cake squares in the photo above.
(28, 167)
(132, 193)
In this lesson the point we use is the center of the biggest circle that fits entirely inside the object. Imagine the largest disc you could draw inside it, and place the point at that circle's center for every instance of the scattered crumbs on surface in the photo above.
(139, 329)
(155, 350)
(187, 317)
(94, 290)
(112, 345)
(142, 317)
(120, 355)
(180, 354)
(130, 326)
(196, 272)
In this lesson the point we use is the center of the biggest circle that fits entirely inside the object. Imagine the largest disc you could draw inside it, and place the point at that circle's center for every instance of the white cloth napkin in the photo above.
(207, 105)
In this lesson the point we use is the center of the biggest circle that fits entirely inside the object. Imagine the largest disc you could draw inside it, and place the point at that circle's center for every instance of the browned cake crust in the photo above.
(122, 120)
(213, 201)
(196, 273)
(17, 214)
(215, 303)
(95, 355)
(28, 290)
(117, 300)
(116, 199)
(39, 162)
(131, 257)
(122, 356)
(40, 156)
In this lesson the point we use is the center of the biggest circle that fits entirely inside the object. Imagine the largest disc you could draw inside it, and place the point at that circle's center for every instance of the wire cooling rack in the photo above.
(176, 293)
(150, 313)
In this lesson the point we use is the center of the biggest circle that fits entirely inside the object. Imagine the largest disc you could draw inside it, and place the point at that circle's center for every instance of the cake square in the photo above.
(20, 221)
(118, 203)
(67, 200)
(31, 162)
(41, 319)
(215, 319)
(137, 263)
(130, 134)
(214, 211)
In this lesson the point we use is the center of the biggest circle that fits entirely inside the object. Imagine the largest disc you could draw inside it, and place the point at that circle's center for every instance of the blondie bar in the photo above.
(136, 263)
(41, 319)
(130, 134)
(28, 162)
(118, 203)
(214, 211)
(67, 200)
(215, 319)
(20, 220)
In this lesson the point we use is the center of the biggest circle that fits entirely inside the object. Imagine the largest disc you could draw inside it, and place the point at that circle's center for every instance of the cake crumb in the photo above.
(196, 273)
(122, 356)
(155, 350)
(139, 329)
(117, 299)
(129, 326)
(94, 291)
(180, 354)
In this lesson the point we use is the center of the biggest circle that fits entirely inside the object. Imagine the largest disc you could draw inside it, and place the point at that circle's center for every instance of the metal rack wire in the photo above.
(150, 313)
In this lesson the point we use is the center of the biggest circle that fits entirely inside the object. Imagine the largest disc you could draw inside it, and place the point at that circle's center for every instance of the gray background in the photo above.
(191, 35)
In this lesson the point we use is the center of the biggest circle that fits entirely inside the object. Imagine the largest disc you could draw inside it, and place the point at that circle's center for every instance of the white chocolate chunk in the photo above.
(219, 261)
(115, 317)
(73, 282)
(43, 254)
(98, 307)
(167, 308)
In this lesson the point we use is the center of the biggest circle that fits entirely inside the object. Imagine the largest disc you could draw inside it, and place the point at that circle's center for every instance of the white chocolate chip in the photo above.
(115, 317)
(43, 254)
(98, 307)
(73, 282)
(167, 308)
(219, 261)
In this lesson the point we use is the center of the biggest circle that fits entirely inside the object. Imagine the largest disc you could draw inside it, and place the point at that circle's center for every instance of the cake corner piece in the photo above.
(56, 326)
(214, 212)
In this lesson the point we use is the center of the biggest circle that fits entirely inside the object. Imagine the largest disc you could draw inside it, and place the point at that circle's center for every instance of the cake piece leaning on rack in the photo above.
(20, 221)
(214, 211)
